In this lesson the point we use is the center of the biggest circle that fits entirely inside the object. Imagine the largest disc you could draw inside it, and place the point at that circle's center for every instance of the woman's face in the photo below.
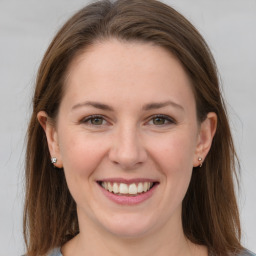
(127, 137)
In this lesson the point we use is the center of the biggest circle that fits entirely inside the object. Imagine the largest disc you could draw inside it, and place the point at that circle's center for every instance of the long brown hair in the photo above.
(210, 213)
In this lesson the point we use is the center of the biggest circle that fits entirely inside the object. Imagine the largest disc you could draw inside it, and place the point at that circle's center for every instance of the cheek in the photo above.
(174, 157)
(175, 152)
(80, 154)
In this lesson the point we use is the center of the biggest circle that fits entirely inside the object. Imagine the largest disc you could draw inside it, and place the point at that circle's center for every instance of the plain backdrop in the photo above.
(26, 29)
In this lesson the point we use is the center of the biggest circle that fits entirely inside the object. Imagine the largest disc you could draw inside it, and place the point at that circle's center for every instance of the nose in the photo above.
(127, 149)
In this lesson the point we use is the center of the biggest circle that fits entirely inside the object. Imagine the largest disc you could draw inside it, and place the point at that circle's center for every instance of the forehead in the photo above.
(104, 55)
(129, 70)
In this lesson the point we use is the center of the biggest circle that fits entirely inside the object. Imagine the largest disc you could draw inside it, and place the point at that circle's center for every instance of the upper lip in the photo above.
(127, 181)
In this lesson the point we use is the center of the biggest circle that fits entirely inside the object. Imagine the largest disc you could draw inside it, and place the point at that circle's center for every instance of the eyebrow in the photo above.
(93, 104)
(158, 105)
(150, 106)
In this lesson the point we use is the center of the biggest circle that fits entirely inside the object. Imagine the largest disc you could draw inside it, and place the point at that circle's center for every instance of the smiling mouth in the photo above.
(124, 189)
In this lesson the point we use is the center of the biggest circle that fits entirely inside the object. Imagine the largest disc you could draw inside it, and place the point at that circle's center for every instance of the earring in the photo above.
(53, 160)
(200, 159)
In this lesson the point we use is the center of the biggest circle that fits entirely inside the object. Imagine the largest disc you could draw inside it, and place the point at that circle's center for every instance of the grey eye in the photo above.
(96, 120)
(159, 120)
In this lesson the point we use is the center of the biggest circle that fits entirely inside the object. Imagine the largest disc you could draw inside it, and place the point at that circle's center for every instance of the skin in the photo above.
(128, 141)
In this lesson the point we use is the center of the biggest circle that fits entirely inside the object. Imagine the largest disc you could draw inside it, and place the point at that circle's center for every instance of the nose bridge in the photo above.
(127, 148)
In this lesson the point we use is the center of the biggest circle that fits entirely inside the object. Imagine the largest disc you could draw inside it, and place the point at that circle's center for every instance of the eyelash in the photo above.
(88, 120)
(165, 118)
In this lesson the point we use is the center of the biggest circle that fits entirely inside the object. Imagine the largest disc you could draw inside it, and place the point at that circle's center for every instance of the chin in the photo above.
(128, 227)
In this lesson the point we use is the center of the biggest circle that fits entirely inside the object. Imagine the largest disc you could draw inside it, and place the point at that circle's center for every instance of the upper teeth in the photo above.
(131, 189)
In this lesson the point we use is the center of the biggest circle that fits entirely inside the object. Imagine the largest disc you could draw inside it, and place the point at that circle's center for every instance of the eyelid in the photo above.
(86, 119)
(170, 120)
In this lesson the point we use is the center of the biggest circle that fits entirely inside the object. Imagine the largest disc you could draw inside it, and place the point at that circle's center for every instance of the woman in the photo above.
(129, 148)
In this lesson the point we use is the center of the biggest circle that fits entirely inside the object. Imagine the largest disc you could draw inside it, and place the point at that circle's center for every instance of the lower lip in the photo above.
(129, 200)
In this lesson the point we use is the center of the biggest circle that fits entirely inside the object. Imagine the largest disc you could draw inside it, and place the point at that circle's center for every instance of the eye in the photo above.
(94, 120)
(160, 120)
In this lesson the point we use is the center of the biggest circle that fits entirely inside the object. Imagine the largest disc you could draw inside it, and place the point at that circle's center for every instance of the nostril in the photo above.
(127, 151)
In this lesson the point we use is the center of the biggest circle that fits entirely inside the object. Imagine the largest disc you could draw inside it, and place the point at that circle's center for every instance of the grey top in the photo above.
(57, 252)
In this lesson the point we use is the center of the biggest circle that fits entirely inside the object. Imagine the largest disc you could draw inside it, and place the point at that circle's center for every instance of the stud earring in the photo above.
(53, 160)
(200, 159)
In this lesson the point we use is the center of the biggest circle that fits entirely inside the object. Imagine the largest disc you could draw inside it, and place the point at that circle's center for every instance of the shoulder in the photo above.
(55, 252)
(246, 253)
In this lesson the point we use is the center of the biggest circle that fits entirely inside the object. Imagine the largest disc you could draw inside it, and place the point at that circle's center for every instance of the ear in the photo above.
(51, 135)
(206, 133)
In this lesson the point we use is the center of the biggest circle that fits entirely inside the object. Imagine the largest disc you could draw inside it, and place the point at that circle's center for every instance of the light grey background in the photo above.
(26, 29)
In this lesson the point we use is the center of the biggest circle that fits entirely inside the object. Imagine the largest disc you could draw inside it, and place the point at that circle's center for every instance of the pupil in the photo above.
(97, 121)
(158, 120)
